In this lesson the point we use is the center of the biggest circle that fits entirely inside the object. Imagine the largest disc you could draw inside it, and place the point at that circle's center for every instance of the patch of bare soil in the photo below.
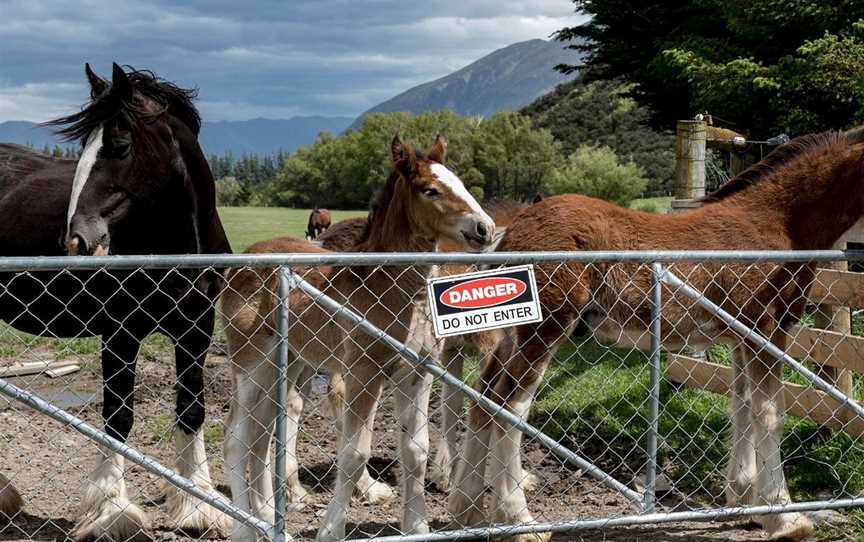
(49, 464)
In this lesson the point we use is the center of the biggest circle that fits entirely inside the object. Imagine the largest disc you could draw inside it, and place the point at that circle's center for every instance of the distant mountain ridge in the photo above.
(504, 80)
(266, 136)
(256, 136)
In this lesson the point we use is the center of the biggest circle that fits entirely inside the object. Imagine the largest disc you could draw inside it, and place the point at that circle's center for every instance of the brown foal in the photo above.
(803, 196)
(423, 202)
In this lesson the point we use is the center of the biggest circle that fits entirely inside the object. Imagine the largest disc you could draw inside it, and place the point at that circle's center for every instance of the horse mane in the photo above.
(503, 210)
(107, 107)
(382, 199)
(780, 157)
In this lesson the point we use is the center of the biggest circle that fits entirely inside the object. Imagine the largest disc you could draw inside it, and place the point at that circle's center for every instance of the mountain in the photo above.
(266, 136)
(258, 136)
(505, 80)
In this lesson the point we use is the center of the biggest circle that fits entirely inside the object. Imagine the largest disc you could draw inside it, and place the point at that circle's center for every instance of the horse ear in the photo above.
(120, 84)
(438, 152)
(97, 84)
(396, 148)
(404, 159)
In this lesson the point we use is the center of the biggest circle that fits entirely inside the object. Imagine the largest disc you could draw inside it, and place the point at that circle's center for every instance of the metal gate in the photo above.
(667, 285)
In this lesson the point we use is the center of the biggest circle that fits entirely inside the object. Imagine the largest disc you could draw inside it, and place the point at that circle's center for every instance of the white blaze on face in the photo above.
(82, 172)
(454, 183)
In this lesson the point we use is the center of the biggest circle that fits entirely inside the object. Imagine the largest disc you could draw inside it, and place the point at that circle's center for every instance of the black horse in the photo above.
(142, 186)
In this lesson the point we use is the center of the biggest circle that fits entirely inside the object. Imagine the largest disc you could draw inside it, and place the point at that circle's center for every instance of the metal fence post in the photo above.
(280, 475)
(654, 389)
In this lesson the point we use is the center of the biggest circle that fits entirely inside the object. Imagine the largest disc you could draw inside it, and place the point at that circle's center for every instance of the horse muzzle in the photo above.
(77, 246)
(87, 242)
(478, 234)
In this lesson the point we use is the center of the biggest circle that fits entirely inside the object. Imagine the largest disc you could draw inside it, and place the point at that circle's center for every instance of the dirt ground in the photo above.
(49, 464)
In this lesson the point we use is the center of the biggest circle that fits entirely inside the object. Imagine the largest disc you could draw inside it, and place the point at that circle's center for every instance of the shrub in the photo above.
(597, 172)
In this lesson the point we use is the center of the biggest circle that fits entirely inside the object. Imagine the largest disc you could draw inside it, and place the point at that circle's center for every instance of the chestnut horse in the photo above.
(422, 202)
(319, 221)
(342, 237)
(803, 196)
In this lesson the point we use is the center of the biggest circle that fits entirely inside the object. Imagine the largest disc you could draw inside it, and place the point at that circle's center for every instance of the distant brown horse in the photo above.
(319, 221)
(803, 196)
(422, 202)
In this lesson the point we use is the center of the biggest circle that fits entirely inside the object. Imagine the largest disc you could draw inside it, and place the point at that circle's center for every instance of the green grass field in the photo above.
(247, 225)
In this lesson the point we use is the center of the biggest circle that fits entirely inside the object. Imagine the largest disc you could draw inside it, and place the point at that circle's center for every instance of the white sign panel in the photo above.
(484, 300)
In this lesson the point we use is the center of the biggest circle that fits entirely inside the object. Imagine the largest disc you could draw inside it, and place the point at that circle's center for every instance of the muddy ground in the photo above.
(49, 464)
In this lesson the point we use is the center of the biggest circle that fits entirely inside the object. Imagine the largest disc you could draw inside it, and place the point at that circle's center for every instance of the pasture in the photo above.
(247, 225)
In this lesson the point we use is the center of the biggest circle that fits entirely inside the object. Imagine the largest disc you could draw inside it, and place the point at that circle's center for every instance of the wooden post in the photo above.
(839, 319)
(689, 164)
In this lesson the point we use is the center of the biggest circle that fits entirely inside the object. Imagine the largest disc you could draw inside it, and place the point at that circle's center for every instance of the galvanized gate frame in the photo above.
(289, 279)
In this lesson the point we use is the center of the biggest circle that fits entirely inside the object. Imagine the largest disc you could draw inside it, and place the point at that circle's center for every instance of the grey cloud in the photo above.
(267, 58)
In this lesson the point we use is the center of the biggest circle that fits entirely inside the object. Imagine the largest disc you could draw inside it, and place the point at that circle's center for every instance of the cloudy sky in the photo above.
(272, 59)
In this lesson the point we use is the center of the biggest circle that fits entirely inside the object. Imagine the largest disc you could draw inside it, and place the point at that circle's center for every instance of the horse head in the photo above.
(437, 200)
(142, 184)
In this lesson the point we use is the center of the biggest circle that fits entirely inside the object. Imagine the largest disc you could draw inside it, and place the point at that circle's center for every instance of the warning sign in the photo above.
(484, 300)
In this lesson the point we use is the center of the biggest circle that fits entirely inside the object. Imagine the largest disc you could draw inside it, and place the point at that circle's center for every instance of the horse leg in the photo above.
(529, 480)
(253, 375)
(741, 470)
(106, 510)
(412, 399)
(516, 387)
(355, 445)
(768, 411)
(452, 405)
(368, 489)
(260, 464)
(465, 503)
(297, 394)
(188, 513)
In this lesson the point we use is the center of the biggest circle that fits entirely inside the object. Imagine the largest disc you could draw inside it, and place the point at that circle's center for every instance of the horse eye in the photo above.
(431, 192)
(120, 148)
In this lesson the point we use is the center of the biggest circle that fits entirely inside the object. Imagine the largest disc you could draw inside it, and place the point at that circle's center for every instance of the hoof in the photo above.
(374, 492)
(465, 513)
(298, 497)
(118, 520)
(787, 527)
(418, 526)
(330, 534)
(10, 500)
(191, 515)
(530, 481)
(440, 477)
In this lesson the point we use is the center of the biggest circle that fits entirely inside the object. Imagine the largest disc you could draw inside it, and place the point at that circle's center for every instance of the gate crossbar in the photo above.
(622, 521)
(151, 465)
(752, 335)
(492, 407)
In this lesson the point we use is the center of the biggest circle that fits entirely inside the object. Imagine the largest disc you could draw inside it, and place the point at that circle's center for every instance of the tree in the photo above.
(764, 65)
(596, 172)
(603, 113)
(514, 157)
(505, 156)
(232, 193)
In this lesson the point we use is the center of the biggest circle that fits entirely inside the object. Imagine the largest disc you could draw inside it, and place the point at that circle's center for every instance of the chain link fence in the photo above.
(651, 393)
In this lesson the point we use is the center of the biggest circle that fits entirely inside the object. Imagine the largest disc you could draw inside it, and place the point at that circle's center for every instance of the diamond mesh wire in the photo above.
(396, 439)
